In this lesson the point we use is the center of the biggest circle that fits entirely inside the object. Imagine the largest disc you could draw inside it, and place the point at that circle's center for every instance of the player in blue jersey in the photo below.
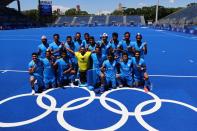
(92, 44)
(64, 67)
(140, 46)
(36, 73)
(54, 47)
(97, 60)
(49, 72)
(43, 47)
(109, 68)
(126, 68)
(78, 41)
(105, 44)
(85, 42)
(125, 45)
(70, 45)
(114, 44)
(141, 78)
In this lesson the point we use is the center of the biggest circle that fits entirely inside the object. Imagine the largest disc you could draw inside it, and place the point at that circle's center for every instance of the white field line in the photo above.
(170, 76)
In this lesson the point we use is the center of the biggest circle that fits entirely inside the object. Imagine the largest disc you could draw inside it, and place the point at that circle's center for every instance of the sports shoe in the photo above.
(33, 92)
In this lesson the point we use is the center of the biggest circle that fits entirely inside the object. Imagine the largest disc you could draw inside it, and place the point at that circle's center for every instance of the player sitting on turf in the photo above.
(83, 58)
(97, 61)
(141, 78)
(36, 73)
(92, 44)
(140, 46)
(64, 67)
(43, 47)
(109, 68)
(54, 47)
(49, 73)
(126, 68)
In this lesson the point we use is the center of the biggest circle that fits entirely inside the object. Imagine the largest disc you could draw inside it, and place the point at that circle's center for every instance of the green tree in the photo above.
(32, 14)
(74, 12)
(117, 12)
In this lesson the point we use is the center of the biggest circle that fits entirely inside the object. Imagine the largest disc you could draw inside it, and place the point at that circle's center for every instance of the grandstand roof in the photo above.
(5, 2)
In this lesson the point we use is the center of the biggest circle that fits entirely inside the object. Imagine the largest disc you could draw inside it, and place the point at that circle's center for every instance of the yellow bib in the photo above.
(83, 60)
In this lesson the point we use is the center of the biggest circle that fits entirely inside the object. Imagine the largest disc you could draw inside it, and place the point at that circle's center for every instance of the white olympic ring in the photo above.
(120, 123)
(44, 106)
(150, 111)
(14, 124)
(124, 111)
(139, 107)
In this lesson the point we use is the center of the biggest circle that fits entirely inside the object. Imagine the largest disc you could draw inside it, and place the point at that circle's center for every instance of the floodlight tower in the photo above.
(157, 11)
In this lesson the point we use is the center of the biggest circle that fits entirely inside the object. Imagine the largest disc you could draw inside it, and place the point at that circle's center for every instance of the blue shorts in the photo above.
(39, 79)
(126, 80)
(112, 80)
(63, 79)
(50, 81)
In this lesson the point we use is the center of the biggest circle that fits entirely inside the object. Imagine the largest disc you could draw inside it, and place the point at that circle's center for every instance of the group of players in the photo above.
(112, 63)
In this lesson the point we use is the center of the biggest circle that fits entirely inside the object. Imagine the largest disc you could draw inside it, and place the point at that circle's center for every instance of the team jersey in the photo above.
(126, 68)
(115, 46)
(85, 43)
(78, 44)
(139, 48)
(83, 60)
(48, 69)
(63, 65)
(39, 67)
(53, 46)
(43, 49)
(73, 48)
(91, 48)
(138, 74)
(97, 60)
(104, 48)
(124, 45)
(110, 68)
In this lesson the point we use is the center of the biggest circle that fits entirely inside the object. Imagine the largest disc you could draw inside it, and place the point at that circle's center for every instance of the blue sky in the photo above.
(94, 6)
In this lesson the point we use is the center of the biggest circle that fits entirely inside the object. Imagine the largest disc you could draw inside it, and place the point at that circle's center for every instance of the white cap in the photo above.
(43, 37)
(105, 34)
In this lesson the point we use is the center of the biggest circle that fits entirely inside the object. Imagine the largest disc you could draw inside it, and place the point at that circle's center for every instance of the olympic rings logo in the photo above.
(138, 113)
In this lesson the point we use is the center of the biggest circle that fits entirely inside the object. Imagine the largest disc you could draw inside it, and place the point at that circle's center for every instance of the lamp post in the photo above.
(157, 10)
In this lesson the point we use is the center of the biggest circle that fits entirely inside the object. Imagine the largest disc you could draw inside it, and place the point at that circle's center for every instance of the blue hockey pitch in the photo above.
(171, 105)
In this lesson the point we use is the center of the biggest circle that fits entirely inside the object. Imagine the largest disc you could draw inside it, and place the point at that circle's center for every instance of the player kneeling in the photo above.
(141, 78)
(36, 73)
(64, 67)
(125, 76)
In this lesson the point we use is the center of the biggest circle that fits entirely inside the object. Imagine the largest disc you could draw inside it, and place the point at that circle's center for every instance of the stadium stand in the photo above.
(133, 20)
(82, 20)
(12, 19)
(183, 20)
(64, 20)
(116, 20)
(100, 20)
(184, 17)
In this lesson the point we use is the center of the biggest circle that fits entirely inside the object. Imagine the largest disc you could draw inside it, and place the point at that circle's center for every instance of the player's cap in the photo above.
(43, 37)
(138, 34)
(104, 35)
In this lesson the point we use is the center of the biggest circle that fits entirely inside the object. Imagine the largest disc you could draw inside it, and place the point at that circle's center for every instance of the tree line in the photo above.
(147, 12)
